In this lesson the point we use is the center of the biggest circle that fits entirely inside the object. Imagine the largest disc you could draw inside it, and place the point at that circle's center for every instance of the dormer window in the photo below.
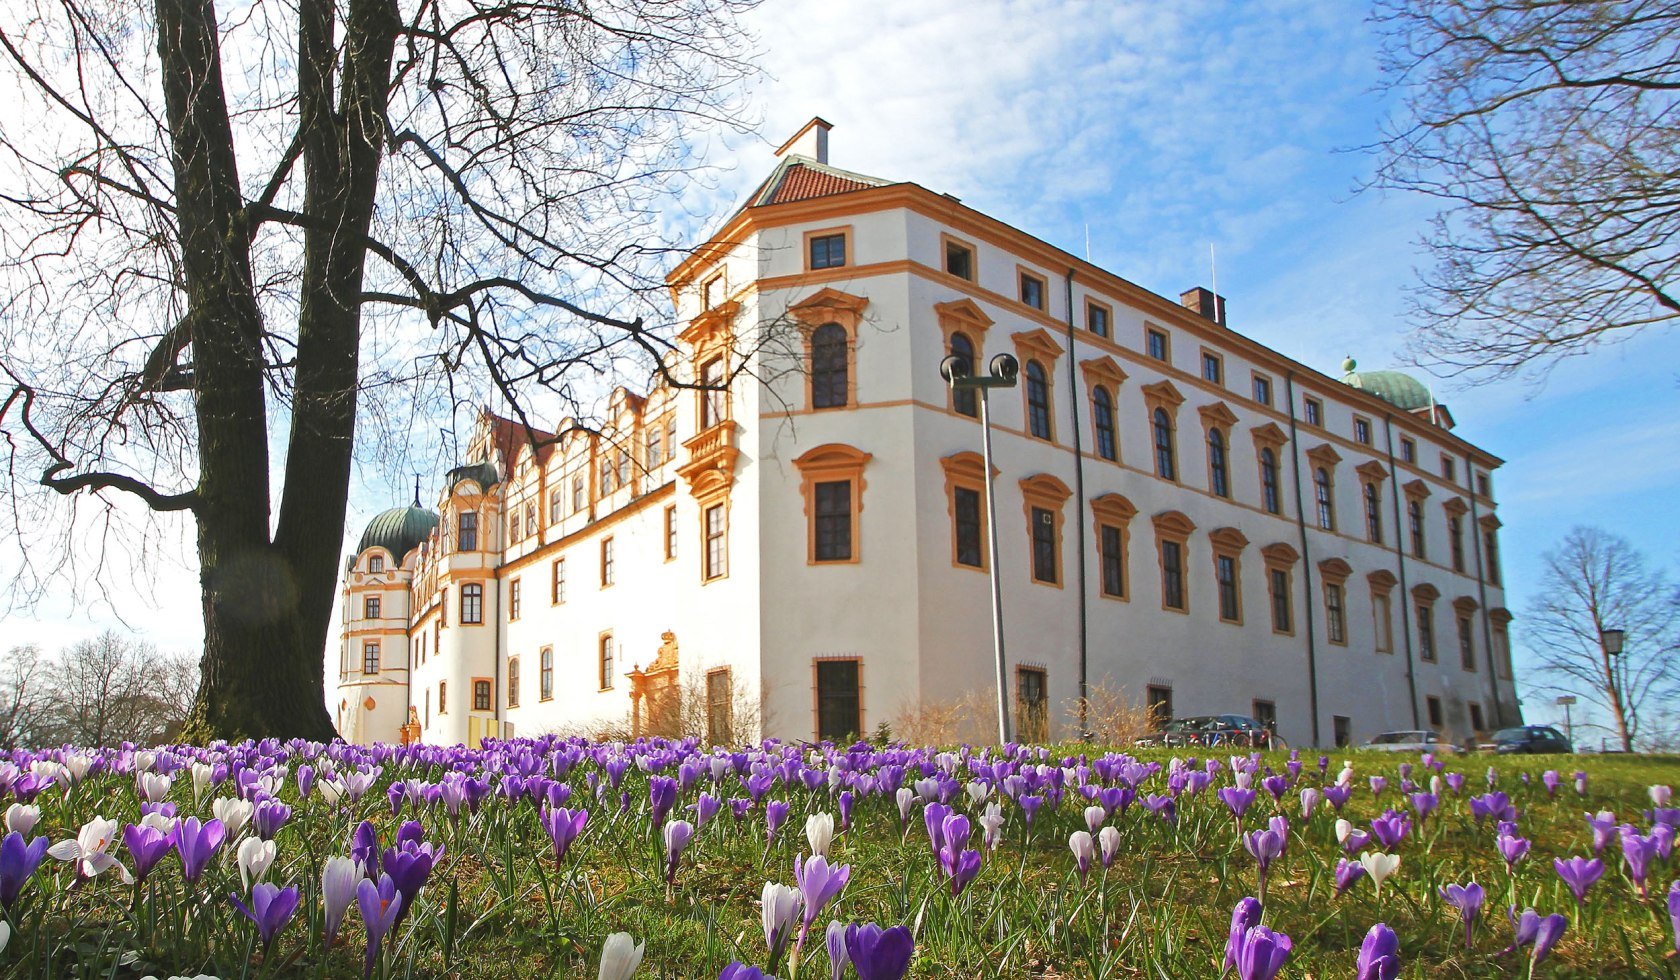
(376, 563)
(466, 531)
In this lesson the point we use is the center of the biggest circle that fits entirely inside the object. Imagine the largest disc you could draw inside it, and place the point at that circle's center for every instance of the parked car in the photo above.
(1213, 730)
(1411, 741)
(1528, 740)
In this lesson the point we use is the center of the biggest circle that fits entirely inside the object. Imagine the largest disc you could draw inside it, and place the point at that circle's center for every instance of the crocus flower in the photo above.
(1108, 845)
(1379, 866)
(819, 832)
(1638, 852)
(87, 851)
(1551, 780)
(738, 971)
(835, 940)
(563, 826)
(775, 814)
(1379, 955)
(1579, 874)
(1674, 913)
(1353, 839)
(1238, 800)
(380, 904)
(1603, 830)
(1580, 782)
(1084, 849)
(339, 878)
(662, 795)
(1261, 953)
(409, 864)
(1390, 829)
(1244, 917)
(1265, 845)
(1348, 874)
(254, 856)
(677, 835)
(18, 862)
(1546, 936)
(620, 956)
(1468, 900)
(147, 845)
(819, 882)
(1337, 796)
(270, 909)
(1512, 849)
(1309, 801)
(780, 912)
(233, 813)
(991, 825)
(1378, 784)
(1660, 795)
(879, 954)
(21, 818)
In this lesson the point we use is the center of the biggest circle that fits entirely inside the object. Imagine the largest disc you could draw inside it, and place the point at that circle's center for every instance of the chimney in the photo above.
(1205, 302)
(811, 141)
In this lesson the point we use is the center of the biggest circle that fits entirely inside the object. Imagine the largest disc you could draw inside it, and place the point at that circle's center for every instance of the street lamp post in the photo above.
(959, 374)
(1611, 640)
(1568, 723)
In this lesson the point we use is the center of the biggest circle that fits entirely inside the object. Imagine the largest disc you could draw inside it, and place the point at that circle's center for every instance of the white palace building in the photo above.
(1182, 512)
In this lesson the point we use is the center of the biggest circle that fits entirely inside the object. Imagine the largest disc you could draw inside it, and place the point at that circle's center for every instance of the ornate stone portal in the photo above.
(410, 733)
(655, 698)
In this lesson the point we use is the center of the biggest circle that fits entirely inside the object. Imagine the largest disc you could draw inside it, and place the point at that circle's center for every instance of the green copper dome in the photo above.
(1395, 387)
(483, 473)
(398, 530)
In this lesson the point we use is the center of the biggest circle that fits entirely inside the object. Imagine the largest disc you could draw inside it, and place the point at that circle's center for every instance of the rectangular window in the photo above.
(959, 260)
(513, 682)
(370, 657)
(515, 594)
(716, 552)
(577, 494)
(370, 607)
(1476, 723)
(623, 459)
(1155, 343)
(557, 581)
(1213, 368)
(466, 531)
(1032, 290)
(670, 532)
(713, 396)
(1044, 546)
(1455, 532)
(608, 572)
(1449, 468)
(828, 251)
(1408, 450)
(1157, 698)
(545, 674)
(481, 695)
(554, 512)
(1032, 705)
(711, 292)
(1362, 431)
(654, 450)
(1343, 729)
(1282, 602)
(443, 697)
(1265, 712)
(530, 517)
(839, 700)
(1263, 389)
(513, 525)
(1314, 411)
(472, 605)
(1436, 716)
(1466, 644)
(1490, 548)
(376, 564)
(1172, 575)
(832, 530)
(1230, 603)
(1097, 319)
(1426, 632)
(1383, 620)
(720, 707)
(1484, 488)
(606, 661)
(1113, 562)
(1335, 613)
(966, 516)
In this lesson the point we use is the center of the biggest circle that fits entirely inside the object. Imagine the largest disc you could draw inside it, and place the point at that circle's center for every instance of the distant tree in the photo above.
(24, 696)
(112, 689)
(1595, 581)
(218, 229)
(1549, 131)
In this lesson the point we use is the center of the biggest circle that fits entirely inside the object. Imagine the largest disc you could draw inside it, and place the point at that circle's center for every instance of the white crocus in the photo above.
(819, 830)
(620, 956)
(339, 878)
(233, 813)
(152, 787)
(1094, 817)
(88, 850)
(1379, 866)
(991, 823)
(144, 761)
(781, 912)
(254, 858)
(157, 822)
(1108, 839)
(22, 818)
(77, 766)
(906, 798)
(977, 792)
(330, 789)
(1660, 795)
(1343, 828)
(1243, 779)
(1309, 802)
(1345, 777)
(201, 775)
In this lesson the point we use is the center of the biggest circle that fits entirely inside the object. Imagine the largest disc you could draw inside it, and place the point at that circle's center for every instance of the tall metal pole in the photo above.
(992, 568)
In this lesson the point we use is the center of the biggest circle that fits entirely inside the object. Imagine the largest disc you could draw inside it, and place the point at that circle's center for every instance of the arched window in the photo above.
(443, 697)
(376, 563)
(1269, 497)
(828, 366)
(1321, 492)
(1102, 415)
(513, 682)
(1038, 401)
(964, 400)
(1414, 515)
(545, 674)
(1218, 472)
(1373, 514)
(1164, 446)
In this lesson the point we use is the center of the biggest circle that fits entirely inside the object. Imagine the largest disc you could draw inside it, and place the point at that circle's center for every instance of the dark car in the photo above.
(1212, 730)
(1530, 740)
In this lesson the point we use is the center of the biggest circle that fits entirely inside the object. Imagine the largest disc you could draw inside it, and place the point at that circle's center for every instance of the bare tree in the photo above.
(1549, 131)
(1594, 581)
(24, 696)
(219, 230)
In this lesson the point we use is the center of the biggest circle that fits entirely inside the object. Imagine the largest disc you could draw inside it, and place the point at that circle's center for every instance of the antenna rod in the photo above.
(1213, 267)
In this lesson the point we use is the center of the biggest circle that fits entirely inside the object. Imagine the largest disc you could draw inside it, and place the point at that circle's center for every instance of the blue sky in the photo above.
(1161, 129)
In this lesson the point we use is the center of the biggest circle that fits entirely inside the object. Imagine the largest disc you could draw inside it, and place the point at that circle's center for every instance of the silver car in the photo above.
(1410, 741)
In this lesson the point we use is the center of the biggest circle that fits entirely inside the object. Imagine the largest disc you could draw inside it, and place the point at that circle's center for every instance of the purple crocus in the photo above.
(1237, 799)
(409, 864)
(1379, 955)
(1579, 874)
(1512, 849)
(147, 846)
(1265, 845)
(1638, 852)
(879, 954)
(196, 843)
(1348, 874)
(269, 816)
(1468, 900)
(18, 862)
(662, 795)
(818, 883)
(775, 814)
(741, 971)
(271, 908)
(677, 835)
(381, 905)
(1603, 828)
(563, 827)
(1390, 829)
(1261, 953)
(1674, 914)
(1243, 918)
(1549, 931)
(1337, 796)
(1551, 780)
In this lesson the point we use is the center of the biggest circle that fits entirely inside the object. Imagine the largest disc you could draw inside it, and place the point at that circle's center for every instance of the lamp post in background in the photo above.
(1568, 723)
(1611, 641)
(1004, 369)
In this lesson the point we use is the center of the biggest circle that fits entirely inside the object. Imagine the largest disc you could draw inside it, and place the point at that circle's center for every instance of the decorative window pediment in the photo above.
(1227, 539)
(1415, 490)
(1037, 344)
(1324, 455)
(1112, 508)
(1382, 581)
(1425, 593)
(1217, 415)
(1334, 570)
(1102, 370)
(1162, 394)
(1280, 555)
(1173, 524)
(1372, 471)
(1269, 435)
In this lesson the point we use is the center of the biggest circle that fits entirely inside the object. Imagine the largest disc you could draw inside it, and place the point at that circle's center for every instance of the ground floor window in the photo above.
(1032, 707)
(1265, 712)
(1436, 719)
(1158, 699)
(839, 700)
(481, 695)
(720, 707)
(1476, 718)
(1343, 729)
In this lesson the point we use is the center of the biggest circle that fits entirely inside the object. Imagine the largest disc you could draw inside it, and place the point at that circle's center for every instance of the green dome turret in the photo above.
(1395, 387)
(398, 530)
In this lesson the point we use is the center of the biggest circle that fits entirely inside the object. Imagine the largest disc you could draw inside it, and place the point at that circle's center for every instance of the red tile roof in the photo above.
(802, 183)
